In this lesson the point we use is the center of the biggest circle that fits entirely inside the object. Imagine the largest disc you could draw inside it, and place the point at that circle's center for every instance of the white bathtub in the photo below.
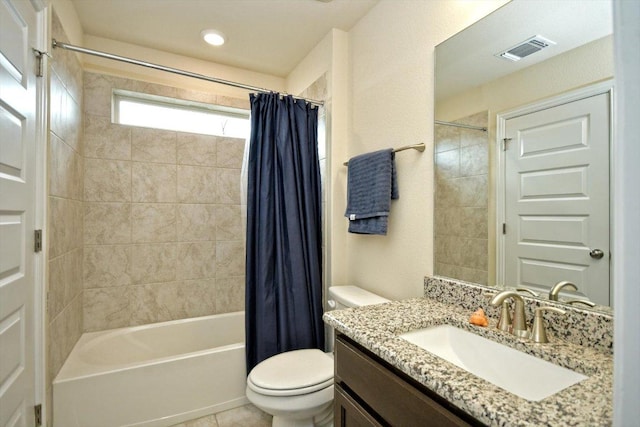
(153, 375)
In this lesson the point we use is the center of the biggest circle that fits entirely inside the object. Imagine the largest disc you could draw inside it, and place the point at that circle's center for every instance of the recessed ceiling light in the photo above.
(213, 37)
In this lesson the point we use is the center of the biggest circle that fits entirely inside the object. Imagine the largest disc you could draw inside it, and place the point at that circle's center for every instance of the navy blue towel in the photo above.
(371, 185)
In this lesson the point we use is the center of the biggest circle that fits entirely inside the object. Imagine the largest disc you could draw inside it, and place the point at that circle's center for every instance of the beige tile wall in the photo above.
(461, 206)
(162, 228)
(65, 224)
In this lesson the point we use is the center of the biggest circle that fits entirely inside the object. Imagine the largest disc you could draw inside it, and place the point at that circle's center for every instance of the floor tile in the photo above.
(208, 421)
(244, 416)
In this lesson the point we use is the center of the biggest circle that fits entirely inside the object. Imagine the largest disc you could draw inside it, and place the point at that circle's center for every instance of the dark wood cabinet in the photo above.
(370, 392)
(348, 412)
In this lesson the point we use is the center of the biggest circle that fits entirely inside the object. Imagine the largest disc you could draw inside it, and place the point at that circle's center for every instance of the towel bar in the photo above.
(460, 125)
(419, 147)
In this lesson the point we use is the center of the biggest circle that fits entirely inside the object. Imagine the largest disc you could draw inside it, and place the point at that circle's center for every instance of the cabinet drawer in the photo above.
(348, 413)
(395, 400)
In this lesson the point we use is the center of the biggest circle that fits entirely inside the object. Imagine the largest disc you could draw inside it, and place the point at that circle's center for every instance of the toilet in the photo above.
(296, 387)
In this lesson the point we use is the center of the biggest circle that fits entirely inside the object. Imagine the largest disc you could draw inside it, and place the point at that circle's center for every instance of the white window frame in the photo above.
(119, 96)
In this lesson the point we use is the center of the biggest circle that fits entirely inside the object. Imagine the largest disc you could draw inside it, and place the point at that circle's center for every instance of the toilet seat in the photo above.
(292, 373)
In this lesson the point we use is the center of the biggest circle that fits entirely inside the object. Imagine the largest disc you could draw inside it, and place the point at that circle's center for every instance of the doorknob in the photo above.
(596, 253)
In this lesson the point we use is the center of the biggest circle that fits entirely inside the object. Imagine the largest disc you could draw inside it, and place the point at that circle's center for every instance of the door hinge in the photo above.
(37, 240)
(504, 228)
(505, 141)
(39, 62)
(38, 413)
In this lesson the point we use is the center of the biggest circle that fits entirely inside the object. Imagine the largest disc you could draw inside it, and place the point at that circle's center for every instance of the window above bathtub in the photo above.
(152, 111)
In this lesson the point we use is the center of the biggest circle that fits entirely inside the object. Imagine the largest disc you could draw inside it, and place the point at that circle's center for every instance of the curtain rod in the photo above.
(460, 125)
(58, 44)
(419, 147)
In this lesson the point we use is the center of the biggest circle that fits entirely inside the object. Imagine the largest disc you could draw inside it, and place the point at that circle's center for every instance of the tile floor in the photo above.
(244, 416)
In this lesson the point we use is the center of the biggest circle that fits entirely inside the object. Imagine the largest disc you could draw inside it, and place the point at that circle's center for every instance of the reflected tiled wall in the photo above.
(65, 192)
(461, 206)
(163, 232)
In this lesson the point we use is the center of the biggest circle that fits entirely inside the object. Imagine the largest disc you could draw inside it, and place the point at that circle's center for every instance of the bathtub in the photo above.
(154, 375)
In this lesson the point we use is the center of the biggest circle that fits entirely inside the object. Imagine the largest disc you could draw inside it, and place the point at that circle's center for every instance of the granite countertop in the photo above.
(376, 327)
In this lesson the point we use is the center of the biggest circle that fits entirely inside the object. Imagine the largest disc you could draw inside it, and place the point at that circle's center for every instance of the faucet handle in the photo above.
(580, 301)
(535, 294)
(539, 332)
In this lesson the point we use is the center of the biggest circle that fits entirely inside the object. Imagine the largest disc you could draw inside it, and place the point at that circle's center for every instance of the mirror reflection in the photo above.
(523, 135)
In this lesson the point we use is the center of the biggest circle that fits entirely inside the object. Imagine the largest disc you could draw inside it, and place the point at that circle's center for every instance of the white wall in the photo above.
(626, 175)
(69, 20)
(315, 64)
(391, 53)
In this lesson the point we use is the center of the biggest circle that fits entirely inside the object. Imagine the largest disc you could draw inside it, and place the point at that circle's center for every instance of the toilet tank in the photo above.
(341, 297)
(352, 296)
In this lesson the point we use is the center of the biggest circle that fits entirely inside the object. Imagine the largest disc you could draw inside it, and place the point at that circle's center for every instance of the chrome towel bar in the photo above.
(419, 147)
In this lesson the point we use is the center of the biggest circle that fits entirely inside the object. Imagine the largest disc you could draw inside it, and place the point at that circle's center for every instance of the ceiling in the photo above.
(267, 36)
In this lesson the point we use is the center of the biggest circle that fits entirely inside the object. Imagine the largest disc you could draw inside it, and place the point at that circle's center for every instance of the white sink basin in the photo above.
(512, 370)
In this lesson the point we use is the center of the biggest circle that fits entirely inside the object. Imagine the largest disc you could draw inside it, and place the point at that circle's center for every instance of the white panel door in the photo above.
(557, 197)
(17, 196)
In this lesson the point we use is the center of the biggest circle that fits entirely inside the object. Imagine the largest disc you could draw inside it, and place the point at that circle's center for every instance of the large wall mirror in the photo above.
(523, 135)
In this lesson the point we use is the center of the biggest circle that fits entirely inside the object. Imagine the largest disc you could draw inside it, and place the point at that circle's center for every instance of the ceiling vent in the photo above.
(526, 48)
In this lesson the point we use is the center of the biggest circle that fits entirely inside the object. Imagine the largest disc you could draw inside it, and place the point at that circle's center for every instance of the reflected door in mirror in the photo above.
(557, 197)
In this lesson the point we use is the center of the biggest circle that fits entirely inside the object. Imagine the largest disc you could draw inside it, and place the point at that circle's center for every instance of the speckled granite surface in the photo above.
(580, 325)
(588, 403)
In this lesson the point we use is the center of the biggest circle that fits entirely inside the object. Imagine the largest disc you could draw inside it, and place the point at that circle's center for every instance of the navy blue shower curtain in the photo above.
(284, 257)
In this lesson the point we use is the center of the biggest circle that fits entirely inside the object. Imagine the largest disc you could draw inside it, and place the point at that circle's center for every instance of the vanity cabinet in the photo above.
(370, 392)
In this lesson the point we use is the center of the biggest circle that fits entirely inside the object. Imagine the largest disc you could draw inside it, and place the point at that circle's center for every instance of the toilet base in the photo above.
(323, 419)
(310, 410)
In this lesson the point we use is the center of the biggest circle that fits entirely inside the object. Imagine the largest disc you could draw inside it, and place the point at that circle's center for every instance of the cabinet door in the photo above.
(348, 413)
(392, 398)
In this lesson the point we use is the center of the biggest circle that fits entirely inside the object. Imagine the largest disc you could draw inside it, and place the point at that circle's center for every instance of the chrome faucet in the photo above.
(519, 323)
(553, 293)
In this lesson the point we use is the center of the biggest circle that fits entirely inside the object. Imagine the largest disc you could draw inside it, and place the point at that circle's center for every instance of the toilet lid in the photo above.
(292, 372)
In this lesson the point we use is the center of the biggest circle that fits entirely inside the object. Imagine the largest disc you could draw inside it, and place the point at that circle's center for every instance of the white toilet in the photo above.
(296, 387)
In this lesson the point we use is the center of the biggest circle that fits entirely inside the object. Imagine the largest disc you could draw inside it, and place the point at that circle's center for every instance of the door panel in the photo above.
(17, 201)
(536, 274)
(559, 230)
(569, 133)
(557, 197)
(554, 183)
